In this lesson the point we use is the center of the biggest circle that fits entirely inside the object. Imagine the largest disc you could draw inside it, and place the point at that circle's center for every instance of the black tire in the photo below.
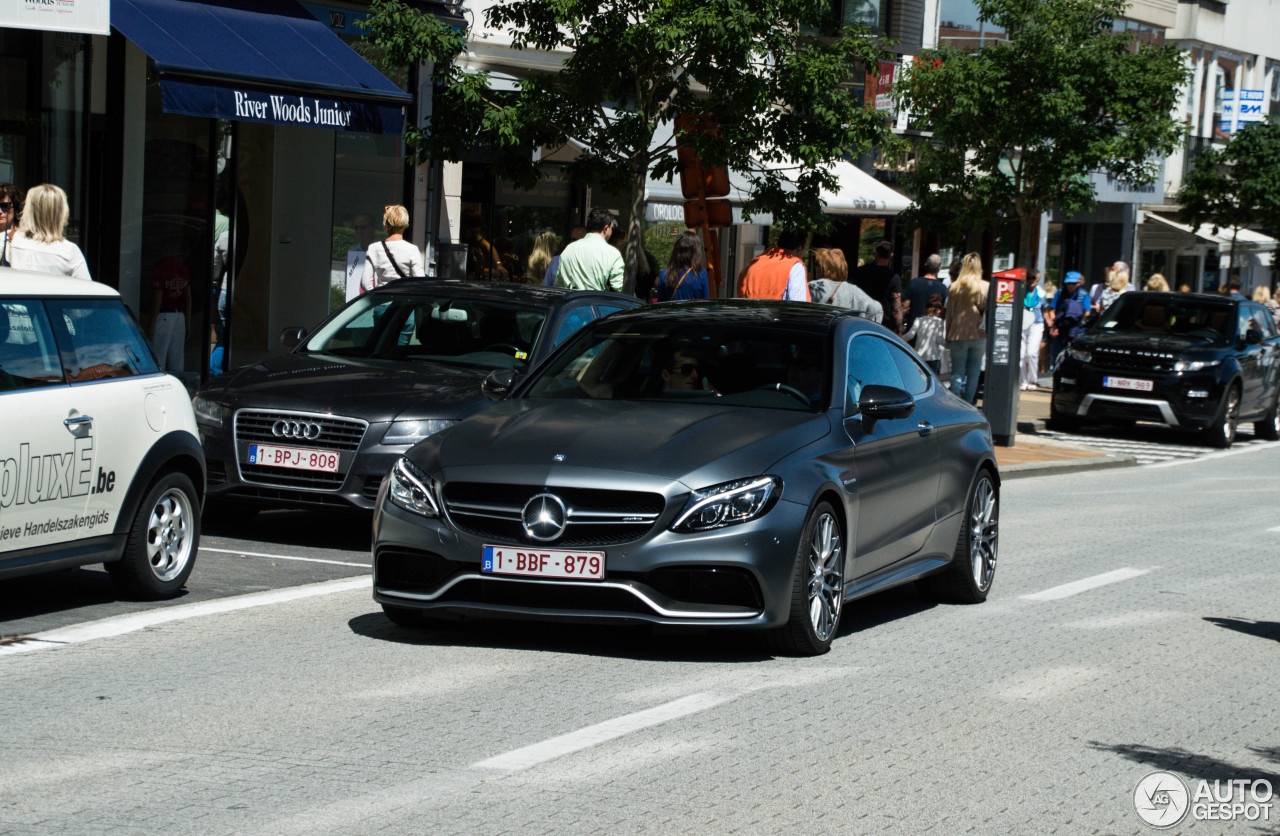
(817, 588)
(967, 579)
(160, 549)
(1268, 428)
(1222, 432)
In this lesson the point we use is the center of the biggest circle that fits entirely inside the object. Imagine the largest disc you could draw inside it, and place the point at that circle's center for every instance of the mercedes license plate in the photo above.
(542, 563)
(297, 458)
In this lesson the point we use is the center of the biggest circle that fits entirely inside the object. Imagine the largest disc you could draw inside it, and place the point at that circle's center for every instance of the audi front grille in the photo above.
(595, 517)
(306, 430)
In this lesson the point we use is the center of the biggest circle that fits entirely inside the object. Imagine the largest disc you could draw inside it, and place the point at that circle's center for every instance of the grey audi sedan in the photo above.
(735, 464)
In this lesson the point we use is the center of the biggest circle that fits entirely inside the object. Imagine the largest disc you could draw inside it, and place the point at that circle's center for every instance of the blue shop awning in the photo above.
(267, 61)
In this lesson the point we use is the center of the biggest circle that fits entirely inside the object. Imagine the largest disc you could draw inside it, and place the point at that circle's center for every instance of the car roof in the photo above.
(1178, 296)
(802, 315)
(509, 291)
(29, 283)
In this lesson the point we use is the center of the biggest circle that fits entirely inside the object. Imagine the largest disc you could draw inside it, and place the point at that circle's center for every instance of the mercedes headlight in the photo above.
(208, 412)
(413, 490)
(1081, 354)
(411, 432)
(728, 503)
(1195, 365)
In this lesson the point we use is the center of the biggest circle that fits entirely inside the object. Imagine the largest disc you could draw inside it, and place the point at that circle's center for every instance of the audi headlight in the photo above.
(411, 432)
(208, 411)
(1081, 354)
(413, 490)
(729, 503)
(1195, 365)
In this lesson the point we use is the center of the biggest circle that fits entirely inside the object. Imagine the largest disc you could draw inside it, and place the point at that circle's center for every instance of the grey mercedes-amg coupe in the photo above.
(728, 463)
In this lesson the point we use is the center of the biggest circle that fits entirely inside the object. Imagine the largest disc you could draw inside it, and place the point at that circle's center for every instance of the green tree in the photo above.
(1237, 185)
(1019, 126)
(781, 101)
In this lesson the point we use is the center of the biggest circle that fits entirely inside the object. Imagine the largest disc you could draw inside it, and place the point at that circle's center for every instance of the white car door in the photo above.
(47, 449)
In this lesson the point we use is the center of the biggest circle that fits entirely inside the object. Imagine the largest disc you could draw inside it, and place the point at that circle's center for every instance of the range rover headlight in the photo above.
(411, 432)
(1195, 365)
(728, 503)
(1081, 354)
(413, 490)
(208, 412)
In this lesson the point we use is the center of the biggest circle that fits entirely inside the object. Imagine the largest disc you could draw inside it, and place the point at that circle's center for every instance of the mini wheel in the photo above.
(160, 550)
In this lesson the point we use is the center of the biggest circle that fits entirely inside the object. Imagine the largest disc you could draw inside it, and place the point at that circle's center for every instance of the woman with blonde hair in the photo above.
(1117, 283)
(1262, 294)
(1157, 282)
(40, 244)
(966, 331)
(544, 249)
(393, 257)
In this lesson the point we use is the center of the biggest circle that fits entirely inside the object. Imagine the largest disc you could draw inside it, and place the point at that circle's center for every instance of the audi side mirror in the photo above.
(291, 336)
(499, 383)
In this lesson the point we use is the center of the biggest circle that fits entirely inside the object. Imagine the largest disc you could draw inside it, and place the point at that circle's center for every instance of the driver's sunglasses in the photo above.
(686, 368)
(6, 206)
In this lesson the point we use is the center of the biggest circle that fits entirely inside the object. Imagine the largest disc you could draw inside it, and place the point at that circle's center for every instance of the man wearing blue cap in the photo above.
(1070, 307)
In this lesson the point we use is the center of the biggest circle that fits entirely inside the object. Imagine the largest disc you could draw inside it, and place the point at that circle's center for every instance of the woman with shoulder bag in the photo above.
(685, 276)
(393, 257)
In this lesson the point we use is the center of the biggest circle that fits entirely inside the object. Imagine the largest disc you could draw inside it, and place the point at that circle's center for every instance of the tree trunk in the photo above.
(1231, 262)
(1025, 218)
(633, 249)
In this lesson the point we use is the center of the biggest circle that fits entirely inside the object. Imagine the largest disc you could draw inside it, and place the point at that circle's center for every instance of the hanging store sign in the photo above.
(90, 17)
(250, 105)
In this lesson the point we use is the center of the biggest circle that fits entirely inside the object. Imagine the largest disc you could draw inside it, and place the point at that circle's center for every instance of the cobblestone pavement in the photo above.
(1037, 712)
(1147, 445)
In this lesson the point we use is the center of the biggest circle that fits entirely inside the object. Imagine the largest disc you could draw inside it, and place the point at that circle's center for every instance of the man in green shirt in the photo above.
(592, 263)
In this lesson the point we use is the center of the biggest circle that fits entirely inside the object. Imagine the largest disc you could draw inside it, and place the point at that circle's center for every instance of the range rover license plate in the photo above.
(542, 563)
(1131, 383)
(297, 458)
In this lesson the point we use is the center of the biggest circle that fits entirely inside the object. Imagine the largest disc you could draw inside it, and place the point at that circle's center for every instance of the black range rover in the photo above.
(1196, 361)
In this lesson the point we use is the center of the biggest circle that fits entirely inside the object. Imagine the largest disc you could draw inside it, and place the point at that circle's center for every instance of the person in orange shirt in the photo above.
(778, 272)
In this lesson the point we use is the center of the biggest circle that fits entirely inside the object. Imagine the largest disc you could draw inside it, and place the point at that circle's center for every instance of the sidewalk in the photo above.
(1031, 455)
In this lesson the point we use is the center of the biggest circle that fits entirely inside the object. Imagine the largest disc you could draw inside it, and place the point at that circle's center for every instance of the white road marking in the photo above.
(121, 624)
(286, 557)
(1066, 590)
(1221, 454)
(1276, 529)
(565, 744)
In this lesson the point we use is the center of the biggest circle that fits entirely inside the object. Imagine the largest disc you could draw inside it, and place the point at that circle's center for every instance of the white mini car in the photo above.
(100, 460)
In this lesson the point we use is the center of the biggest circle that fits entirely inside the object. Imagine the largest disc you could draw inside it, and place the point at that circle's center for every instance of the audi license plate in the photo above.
(1130, 383)
(297, 458)
(543, 563)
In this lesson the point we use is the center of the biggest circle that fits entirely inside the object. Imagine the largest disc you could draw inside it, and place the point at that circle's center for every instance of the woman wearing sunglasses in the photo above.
(10, 200)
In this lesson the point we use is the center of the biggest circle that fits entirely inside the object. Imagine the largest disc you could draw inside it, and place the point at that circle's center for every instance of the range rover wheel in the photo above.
(1061, 421)
(1269, 427)
(160, 550)
(1222, 432)
(967, 579)
(817, 592)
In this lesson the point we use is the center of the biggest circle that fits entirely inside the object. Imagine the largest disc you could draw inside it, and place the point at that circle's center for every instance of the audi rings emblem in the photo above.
(544, 517)
(291, 428)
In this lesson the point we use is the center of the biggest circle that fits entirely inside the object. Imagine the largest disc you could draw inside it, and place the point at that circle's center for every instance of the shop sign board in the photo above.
(1247, 107)
(279, 108)
(90, 17)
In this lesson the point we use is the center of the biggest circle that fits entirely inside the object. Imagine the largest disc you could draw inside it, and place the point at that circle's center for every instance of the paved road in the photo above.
(275, 549)
(1132, 628)
(1149, 443)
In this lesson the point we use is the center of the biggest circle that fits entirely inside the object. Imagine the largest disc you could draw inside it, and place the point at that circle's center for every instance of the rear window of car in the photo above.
(97, 339)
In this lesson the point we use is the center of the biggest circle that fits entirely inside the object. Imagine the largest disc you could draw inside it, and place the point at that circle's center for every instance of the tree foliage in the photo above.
(1238, 185)
(1019, 126)
(781, 101)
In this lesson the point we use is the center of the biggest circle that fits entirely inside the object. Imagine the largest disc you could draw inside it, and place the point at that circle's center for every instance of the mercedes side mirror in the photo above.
(884, 402)
(499, 383)
(1253, 337)
(291, 336)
